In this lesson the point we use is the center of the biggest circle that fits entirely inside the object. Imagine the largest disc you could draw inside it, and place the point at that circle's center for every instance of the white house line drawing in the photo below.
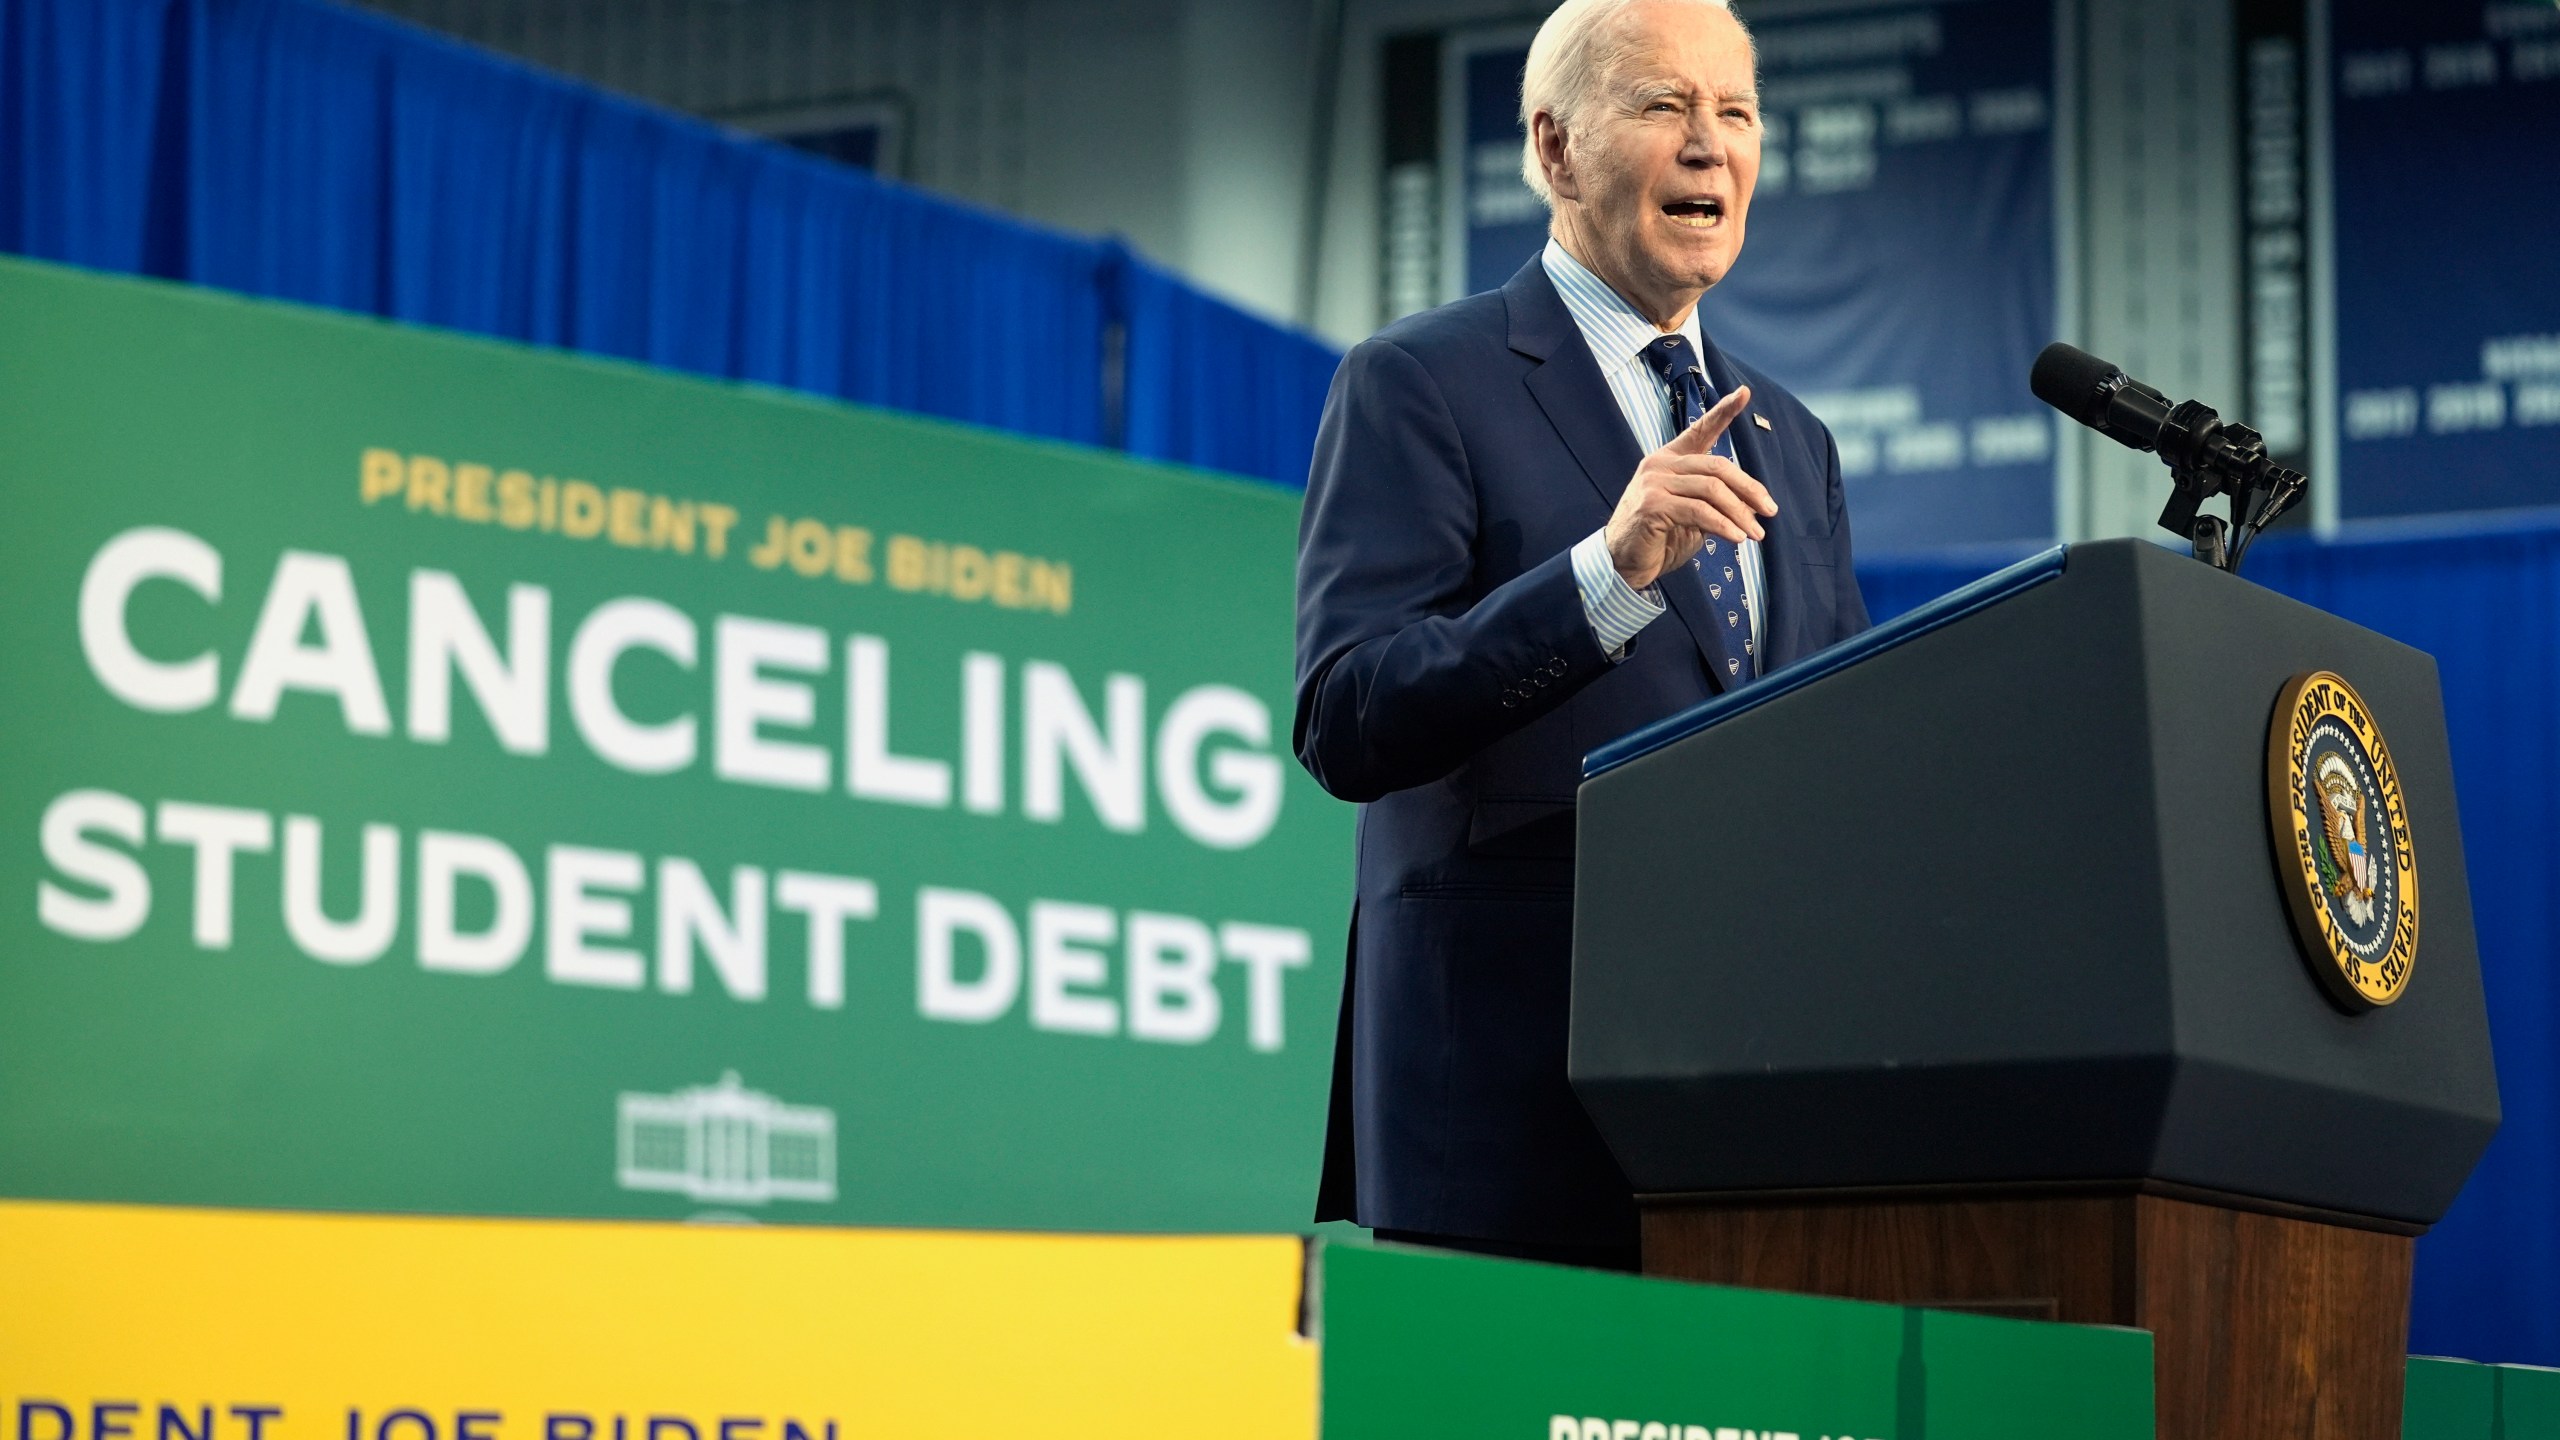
(725, 1144)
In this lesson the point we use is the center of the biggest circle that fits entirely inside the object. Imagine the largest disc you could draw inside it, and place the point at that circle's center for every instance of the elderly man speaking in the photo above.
(1538, 519)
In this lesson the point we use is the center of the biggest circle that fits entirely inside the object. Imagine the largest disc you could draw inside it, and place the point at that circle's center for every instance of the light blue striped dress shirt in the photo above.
(1617, 335)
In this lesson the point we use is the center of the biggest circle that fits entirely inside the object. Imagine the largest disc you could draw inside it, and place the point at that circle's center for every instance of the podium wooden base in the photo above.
(2264, 1325)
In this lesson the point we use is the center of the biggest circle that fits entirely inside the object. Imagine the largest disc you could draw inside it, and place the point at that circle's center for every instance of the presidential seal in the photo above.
(2343, 851)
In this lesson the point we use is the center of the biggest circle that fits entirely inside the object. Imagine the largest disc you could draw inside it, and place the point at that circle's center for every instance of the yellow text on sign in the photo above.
(267, 1326)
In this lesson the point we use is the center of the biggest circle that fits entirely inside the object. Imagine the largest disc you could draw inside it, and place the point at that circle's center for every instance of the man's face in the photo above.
(1661, 164)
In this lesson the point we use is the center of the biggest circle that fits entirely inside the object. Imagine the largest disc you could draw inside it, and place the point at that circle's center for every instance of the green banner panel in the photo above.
(2449, 1400)
(1418, 1343)
(1993, 1379)
(2528, 1402)
(446, 776)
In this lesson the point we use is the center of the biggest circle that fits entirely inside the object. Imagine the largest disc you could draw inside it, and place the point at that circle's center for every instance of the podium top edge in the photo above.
(1947, 609)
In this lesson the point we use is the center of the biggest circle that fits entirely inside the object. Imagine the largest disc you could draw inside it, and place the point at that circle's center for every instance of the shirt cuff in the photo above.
(1615, 609)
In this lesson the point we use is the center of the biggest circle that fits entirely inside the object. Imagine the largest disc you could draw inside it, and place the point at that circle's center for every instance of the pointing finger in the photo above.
(1702, 435)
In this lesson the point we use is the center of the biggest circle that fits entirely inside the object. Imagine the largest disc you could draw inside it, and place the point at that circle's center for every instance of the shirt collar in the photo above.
(1615, 331)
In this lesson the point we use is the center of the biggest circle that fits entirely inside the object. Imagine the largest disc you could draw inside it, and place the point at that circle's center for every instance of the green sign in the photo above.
(2462, 1400)
(447, 776)
(1417, 1343)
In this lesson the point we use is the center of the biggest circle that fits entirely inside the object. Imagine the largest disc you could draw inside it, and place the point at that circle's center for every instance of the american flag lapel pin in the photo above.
(1760, 420)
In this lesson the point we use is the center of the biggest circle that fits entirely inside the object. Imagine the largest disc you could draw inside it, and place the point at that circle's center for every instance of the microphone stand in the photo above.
(2208, 458)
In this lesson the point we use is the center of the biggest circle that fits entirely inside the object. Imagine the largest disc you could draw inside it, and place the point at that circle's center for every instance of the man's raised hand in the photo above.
(1683, 495)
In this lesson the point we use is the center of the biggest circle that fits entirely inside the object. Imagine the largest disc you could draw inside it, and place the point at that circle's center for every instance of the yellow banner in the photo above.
(132, 1323)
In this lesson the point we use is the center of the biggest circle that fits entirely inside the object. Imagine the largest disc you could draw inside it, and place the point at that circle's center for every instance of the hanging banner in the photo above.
(1492, 221)
(1899, 274)
(453, 777)
(2448, 322)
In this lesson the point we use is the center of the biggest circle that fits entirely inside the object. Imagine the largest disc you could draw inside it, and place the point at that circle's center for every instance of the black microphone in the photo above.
(2099, 396)
(2206, 457)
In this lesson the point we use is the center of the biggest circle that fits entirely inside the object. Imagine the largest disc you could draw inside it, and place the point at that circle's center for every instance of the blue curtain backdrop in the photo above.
(295, 149)
(1210, 385)
(2485, 602)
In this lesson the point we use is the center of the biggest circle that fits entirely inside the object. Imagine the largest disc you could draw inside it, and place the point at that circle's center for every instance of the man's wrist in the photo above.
(1601, 536)
(1615, 609)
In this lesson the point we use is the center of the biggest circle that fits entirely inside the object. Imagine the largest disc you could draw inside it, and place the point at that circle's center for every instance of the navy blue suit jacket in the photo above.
(1450, 683)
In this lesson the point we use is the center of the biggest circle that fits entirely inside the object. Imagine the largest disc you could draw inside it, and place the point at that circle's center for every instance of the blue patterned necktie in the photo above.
(1718, 565)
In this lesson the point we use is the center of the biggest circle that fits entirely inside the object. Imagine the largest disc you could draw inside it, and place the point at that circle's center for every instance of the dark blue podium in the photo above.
(1998, 1001)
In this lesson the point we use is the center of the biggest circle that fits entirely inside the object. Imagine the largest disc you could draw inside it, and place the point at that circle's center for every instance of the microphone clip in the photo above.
(2208, 458)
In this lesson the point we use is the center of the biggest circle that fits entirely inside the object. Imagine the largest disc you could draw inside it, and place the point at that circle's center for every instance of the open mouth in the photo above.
(1703, 213)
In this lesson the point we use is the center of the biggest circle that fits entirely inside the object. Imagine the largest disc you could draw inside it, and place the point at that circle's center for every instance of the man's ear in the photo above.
(1553, 157)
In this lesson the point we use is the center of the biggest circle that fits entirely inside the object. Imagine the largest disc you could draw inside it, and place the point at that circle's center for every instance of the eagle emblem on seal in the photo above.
(2346, 862)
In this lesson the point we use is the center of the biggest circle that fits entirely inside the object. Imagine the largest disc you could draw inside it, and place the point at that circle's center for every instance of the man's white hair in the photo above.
(1577, 47)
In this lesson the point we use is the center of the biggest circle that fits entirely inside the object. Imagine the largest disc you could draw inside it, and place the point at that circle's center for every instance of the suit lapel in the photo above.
(1567, 384)
(1568, 388)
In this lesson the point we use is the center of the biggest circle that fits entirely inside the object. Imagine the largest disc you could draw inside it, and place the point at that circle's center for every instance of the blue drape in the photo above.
(2485, 602)
(1211, 385)
(295, 149)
